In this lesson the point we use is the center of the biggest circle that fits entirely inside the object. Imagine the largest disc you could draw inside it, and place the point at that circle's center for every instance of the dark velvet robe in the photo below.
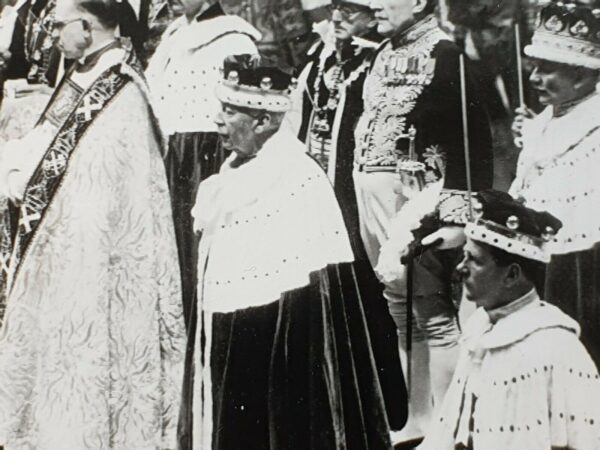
(573, 284)
(298, 373)
(381, 327)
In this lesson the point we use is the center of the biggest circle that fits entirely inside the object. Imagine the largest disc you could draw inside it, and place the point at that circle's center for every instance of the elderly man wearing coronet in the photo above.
(279, 366)
(523, 380)
(561, 153)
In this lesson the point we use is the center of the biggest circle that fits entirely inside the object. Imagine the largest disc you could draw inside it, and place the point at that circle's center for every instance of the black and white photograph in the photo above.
(299, 224)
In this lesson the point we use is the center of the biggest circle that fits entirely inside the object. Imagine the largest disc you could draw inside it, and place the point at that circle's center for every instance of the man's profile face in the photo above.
(482, 276)
(554, 82)
(236, 127)
(350, 20)
(72, 29)
(392, 15)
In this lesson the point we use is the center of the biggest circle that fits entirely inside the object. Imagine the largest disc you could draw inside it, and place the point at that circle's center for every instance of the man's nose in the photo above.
(218, 119)
(462, 270)
(535, 78)
(336, 15)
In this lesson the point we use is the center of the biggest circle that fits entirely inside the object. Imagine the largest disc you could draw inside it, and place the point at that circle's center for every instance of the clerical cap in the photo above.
(505, 223)
(568, 32)
(257, 87)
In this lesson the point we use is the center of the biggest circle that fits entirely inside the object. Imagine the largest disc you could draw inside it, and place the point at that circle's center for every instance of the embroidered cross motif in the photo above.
(27, 219)
(88, 106)
(54, 164)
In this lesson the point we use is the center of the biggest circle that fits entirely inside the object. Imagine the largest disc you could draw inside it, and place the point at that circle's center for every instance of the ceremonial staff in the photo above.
(465, 123)
(521, 88)
(519, 65)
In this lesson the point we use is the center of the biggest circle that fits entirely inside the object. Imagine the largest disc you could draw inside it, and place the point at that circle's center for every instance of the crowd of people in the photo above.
(212, 239)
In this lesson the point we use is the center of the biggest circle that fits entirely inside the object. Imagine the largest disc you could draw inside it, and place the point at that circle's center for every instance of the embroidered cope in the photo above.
(91, 348)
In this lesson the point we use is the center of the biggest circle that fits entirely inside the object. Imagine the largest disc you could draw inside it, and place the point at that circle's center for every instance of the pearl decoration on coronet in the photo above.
(266, 83)
(233, 77)
(512, 223)
(548, 234)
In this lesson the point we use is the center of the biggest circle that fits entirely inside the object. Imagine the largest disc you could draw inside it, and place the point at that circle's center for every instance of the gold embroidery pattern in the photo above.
(391, 92)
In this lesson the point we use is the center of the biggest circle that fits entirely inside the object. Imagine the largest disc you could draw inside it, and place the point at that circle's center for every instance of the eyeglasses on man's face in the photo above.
(347, 11)
(59, 25)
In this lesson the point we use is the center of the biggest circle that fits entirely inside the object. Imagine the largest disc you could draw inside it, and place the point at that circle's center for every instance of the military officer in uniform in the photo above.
(412, 119)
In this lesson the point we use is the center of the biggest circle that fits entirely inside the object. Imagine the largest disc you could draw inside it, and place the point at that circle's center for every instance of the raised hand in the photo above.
(521, 114)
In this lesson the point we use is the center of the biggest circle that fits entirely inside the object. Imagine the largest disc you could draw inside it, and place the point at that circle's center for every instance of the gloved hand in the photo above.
(15, 186)
(4, 59)
(521, 113)
(452, 236)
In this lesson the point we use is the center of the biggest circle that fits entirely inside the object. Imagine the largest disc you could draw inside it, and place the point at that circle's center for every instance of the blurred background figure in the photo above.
(284, 25)
(161, 13)
(32, 64)
(485, 30)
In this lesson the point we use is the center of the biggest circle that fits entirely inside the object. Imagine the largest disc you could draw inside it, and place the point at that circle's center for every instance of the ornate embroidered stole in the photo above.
(49, 173)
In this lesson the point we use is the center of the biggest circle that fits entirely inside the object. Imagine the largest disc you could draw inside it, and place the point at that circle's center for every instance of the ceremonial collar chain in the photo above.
(320, 124)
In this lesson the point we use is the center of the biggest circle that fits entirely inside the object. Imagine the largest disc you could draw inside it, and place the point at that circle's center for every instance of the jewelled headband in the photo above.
(510, 239)
(568, 33)
(264, 97)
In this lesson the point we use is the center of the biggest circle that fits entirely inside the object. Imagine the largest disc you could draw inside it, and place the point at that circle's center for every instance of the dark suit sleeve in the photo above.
(442, 131)
(131, 27)
(18, 66)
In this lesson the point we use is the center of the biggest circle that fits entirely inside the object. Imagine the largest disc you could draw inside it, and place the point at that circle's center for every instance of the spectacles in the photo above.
(58, 26)
(346, 11)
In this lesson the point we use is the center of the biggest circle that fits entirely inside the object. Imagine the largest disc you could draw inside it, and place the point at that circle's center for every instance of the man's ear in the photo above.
(513, 274)
(419, 6)
(263, 122)
(372, 23)
(87, 29)
(585, 78)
